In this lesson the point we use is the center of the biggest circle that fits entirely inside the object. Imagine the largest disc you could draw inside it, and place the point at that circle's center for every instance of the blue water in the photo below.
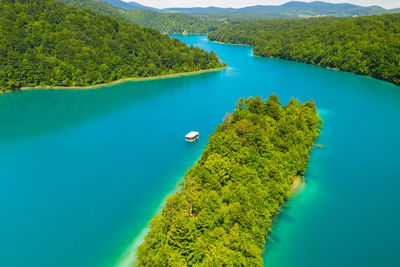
(83, 172)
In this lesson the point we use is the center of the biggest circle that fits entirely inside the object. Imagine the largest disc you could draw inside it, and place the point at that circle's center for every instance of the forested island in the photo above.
(368, 46)
(223, 209)
(43, 43)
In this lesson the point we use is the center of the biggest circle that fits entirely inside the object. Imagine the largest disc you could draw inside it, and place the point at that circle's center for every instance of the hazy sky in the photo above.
(242, 3)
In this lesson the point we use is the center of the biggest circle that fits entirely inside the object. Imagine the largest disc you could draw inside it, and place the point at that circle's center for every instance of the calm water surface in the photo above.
(83, 172)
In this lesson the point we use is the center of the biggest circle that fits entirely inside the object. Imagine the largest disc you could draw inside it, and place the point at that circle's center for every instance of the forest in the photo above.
(367, 46)
(176, 23)
(43, 43)
(166, 22)
(223, 210)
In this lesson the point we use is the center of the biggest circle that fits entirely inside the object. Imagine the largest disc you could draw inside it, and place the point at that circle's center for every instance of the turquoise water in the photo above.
(83, 172)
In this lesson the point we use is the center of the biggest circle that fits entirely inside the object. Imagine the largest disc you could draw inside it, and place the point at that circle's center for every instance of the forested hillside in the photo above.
(170, 22)
(43, 43)
(366, 45)
(176, 23)
(224, 207)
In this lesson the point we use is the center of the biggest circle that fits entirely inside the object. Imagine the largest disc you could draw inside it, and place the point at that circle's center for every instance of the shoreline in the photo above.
(167, 76)
(129, 257)
(294, 189)
(325, 67)
(297, 184)
(330, 68)
(188, 34)
(218, 42)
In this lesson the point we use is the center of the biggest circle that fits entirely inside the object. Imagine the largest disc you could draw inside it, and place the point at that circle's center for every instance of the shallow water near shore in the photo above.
(84, 171)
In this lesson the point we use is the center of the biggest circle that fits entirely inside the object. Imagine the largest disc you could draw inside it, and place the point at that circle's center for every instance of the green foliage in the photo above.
(367, 45)
(43, 43)
(224, 208)
(169, 22)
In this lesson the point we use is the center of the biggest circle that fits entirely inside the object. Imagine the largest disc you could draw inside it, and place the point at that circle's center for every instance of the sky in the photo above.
(242, 3)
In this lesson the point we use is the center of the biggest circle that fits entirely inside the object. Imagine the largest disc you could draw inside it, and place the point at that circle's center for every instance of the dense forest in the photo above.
(224, 208)
(366, 45)
(43, 43)
(169, 22)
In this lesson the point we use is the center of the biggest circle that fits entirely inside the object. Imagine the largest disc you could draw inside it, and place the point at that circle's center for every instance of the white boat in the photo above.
(192, 136)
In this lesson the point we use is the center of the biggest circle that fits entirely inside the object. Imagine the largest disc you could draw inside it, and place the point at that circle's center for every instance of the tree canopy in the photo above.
(365, 45)
(43, 43)
(223, 209)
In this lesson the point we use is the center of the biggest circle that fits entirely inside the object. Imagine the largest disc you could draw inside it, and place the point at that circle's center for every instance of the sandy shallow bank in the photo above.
(218, 42)
(297, 182)
(117, 81)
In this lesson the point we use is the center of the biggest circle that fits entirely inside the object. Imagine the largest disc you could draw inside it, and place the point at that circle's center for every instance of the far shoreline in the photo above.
(219, 42)
(167, 76)
(325, 67)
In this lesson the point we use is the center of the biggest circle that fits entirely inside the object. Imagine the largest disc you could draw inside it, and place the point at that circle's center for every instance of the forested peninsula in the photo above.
(43, 43)
(223, 209)
(368, 46)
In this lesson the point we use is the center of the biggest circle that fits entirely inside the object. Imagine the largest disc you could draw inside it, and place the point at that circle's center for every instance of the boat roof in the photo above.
(192, 134)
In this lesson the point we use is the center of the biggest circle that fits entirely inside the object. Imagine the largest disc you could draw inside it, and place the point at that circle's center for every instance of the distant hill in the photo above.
(166, 22)
(128, 5)
(294, 9)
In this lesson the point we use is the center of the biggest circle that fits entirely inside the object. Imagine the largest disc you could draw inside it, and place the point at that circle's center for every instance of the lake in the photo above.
(84, 171)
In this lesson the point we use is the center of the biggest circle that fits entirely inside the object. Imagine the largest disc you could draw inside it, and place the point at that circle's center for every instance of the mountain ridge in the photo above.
(128, 5)
(291, 9)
